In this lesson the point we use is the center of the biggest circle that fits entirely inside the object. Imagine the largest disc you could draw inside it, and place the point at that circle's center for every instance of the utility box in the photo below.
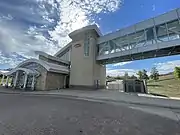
(116, 85)
(131, 85)
(135, 86)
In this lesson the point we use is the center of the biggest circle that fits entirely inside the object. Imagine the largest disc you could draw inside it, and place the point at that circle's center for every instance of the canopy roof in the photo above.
(48, 66)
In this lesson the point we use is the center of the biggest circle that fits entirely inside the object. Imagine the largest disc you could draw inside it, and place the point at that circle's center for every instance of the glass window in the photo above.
(149, 37)
(86, 45)
(137, 38)
(112, 46)
(122, 42)
(132, 38)
(150, 34)
(161, 33)
(101, 49)
(104, 48)
(174, 30)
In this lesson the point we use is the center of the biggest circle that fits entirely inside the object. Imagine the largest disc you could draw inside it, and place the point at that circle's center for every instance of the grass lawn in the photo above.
(5, 80)
(166, 85)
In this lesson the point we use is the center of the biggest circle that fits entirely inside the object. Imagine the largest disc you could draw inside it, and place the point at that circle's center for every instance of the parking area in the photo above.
(37, 115)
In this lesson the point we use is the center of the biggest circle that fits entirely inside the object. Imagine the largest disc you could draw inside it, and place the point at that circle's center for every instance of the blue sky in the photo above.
(130, 13)
(43, 25)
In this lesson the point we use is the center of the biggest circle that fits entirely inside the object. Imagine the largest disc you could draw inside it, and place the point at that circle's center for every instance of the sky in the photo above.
(27, 26)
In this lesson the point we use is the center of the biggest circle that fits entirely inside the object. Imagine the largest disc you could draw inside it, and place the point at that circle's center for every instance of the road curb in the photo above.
(91, 98)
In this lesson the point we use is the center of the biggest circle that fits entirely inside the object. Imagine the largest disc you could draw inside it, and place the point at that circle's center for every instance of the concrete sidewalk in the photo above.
(104, 95)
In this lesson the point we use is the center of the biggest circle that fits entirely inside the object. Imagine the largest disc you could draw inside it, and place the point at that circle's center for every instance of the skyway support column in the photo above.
(85, 72)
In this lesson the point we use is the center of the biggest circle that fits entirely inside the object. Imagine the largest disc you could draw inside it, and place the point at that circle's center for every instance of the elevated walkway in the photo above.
(155, 37)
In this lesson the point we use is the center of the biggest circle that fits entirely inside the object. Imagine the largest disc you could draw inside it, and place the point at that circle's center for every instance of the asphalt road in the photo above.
(43, 115)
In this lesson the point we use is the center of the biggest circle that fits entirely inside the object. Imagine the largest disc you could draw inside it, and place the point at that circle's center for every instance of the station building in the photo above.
(74, 66)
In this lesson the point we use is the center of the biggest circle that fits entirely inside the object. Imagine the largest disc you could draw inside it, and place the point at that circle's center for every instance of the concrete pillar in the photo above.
(16, 78)
(33, 82)
(25, 80)
(145, 86)
(12, 81)
(7, 81)
(85, 70)
(65, 77)
(2, 80)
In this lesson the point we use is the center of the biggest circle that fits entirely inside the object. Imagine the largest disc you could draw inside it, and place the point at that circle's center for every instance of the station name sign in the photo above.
(77, 45)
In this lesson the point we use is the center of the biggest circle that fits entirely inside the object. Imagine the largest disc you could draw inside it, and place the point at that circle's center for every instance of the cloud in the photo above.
(11, 59)
(120, 72)
(79, 13)
(44, 25)
(153, 7)
(167, 67)
(121, 63)
(163, 68)
(13, 39)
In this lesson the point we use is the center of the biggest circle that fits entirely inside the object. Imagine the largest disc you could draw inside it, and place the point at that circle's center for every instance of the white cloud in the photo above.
(77, 14)
(8, 17)
(163, 68)
(120, 72)
(121, 63)
(167, 67)
(153, 7)
(13, 39)
(69, 15)
(11, 59)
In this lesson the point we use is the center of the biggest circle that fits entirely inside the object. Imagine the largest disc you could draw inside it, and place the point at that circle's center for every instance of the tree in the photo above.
(154, 74)
(108, 76)
(144, 75)
(177, 72)
(118, 77)
(126, 76)
(133, 77)
(140, 74)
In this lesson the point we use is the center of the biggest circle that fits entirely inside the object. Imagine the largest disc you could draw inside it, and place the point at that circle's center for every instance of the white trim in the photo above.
(48, 66)
(28, 71)
(3, 72)
(34, 61)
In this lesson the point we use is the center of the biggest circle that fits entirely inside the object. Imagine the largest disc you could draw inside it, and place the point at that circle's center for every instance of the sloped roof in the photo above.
(40, 53)
(48, 66)
(28, 71)
(3, 71)
(63, 50)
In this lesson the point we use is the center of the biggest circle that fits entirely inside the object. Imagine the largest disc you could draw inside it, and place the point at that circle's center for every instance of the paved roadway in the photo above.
(46, 115)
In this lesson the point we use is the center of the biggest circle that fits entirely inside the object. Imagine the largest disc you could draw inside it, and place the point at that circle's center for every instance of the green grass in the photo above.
(166, 85)
(5, 80)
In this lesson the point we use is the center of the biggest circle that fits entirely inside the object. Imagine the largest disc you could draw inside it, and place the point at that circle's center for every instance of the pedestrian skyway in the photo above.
(155, 37)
